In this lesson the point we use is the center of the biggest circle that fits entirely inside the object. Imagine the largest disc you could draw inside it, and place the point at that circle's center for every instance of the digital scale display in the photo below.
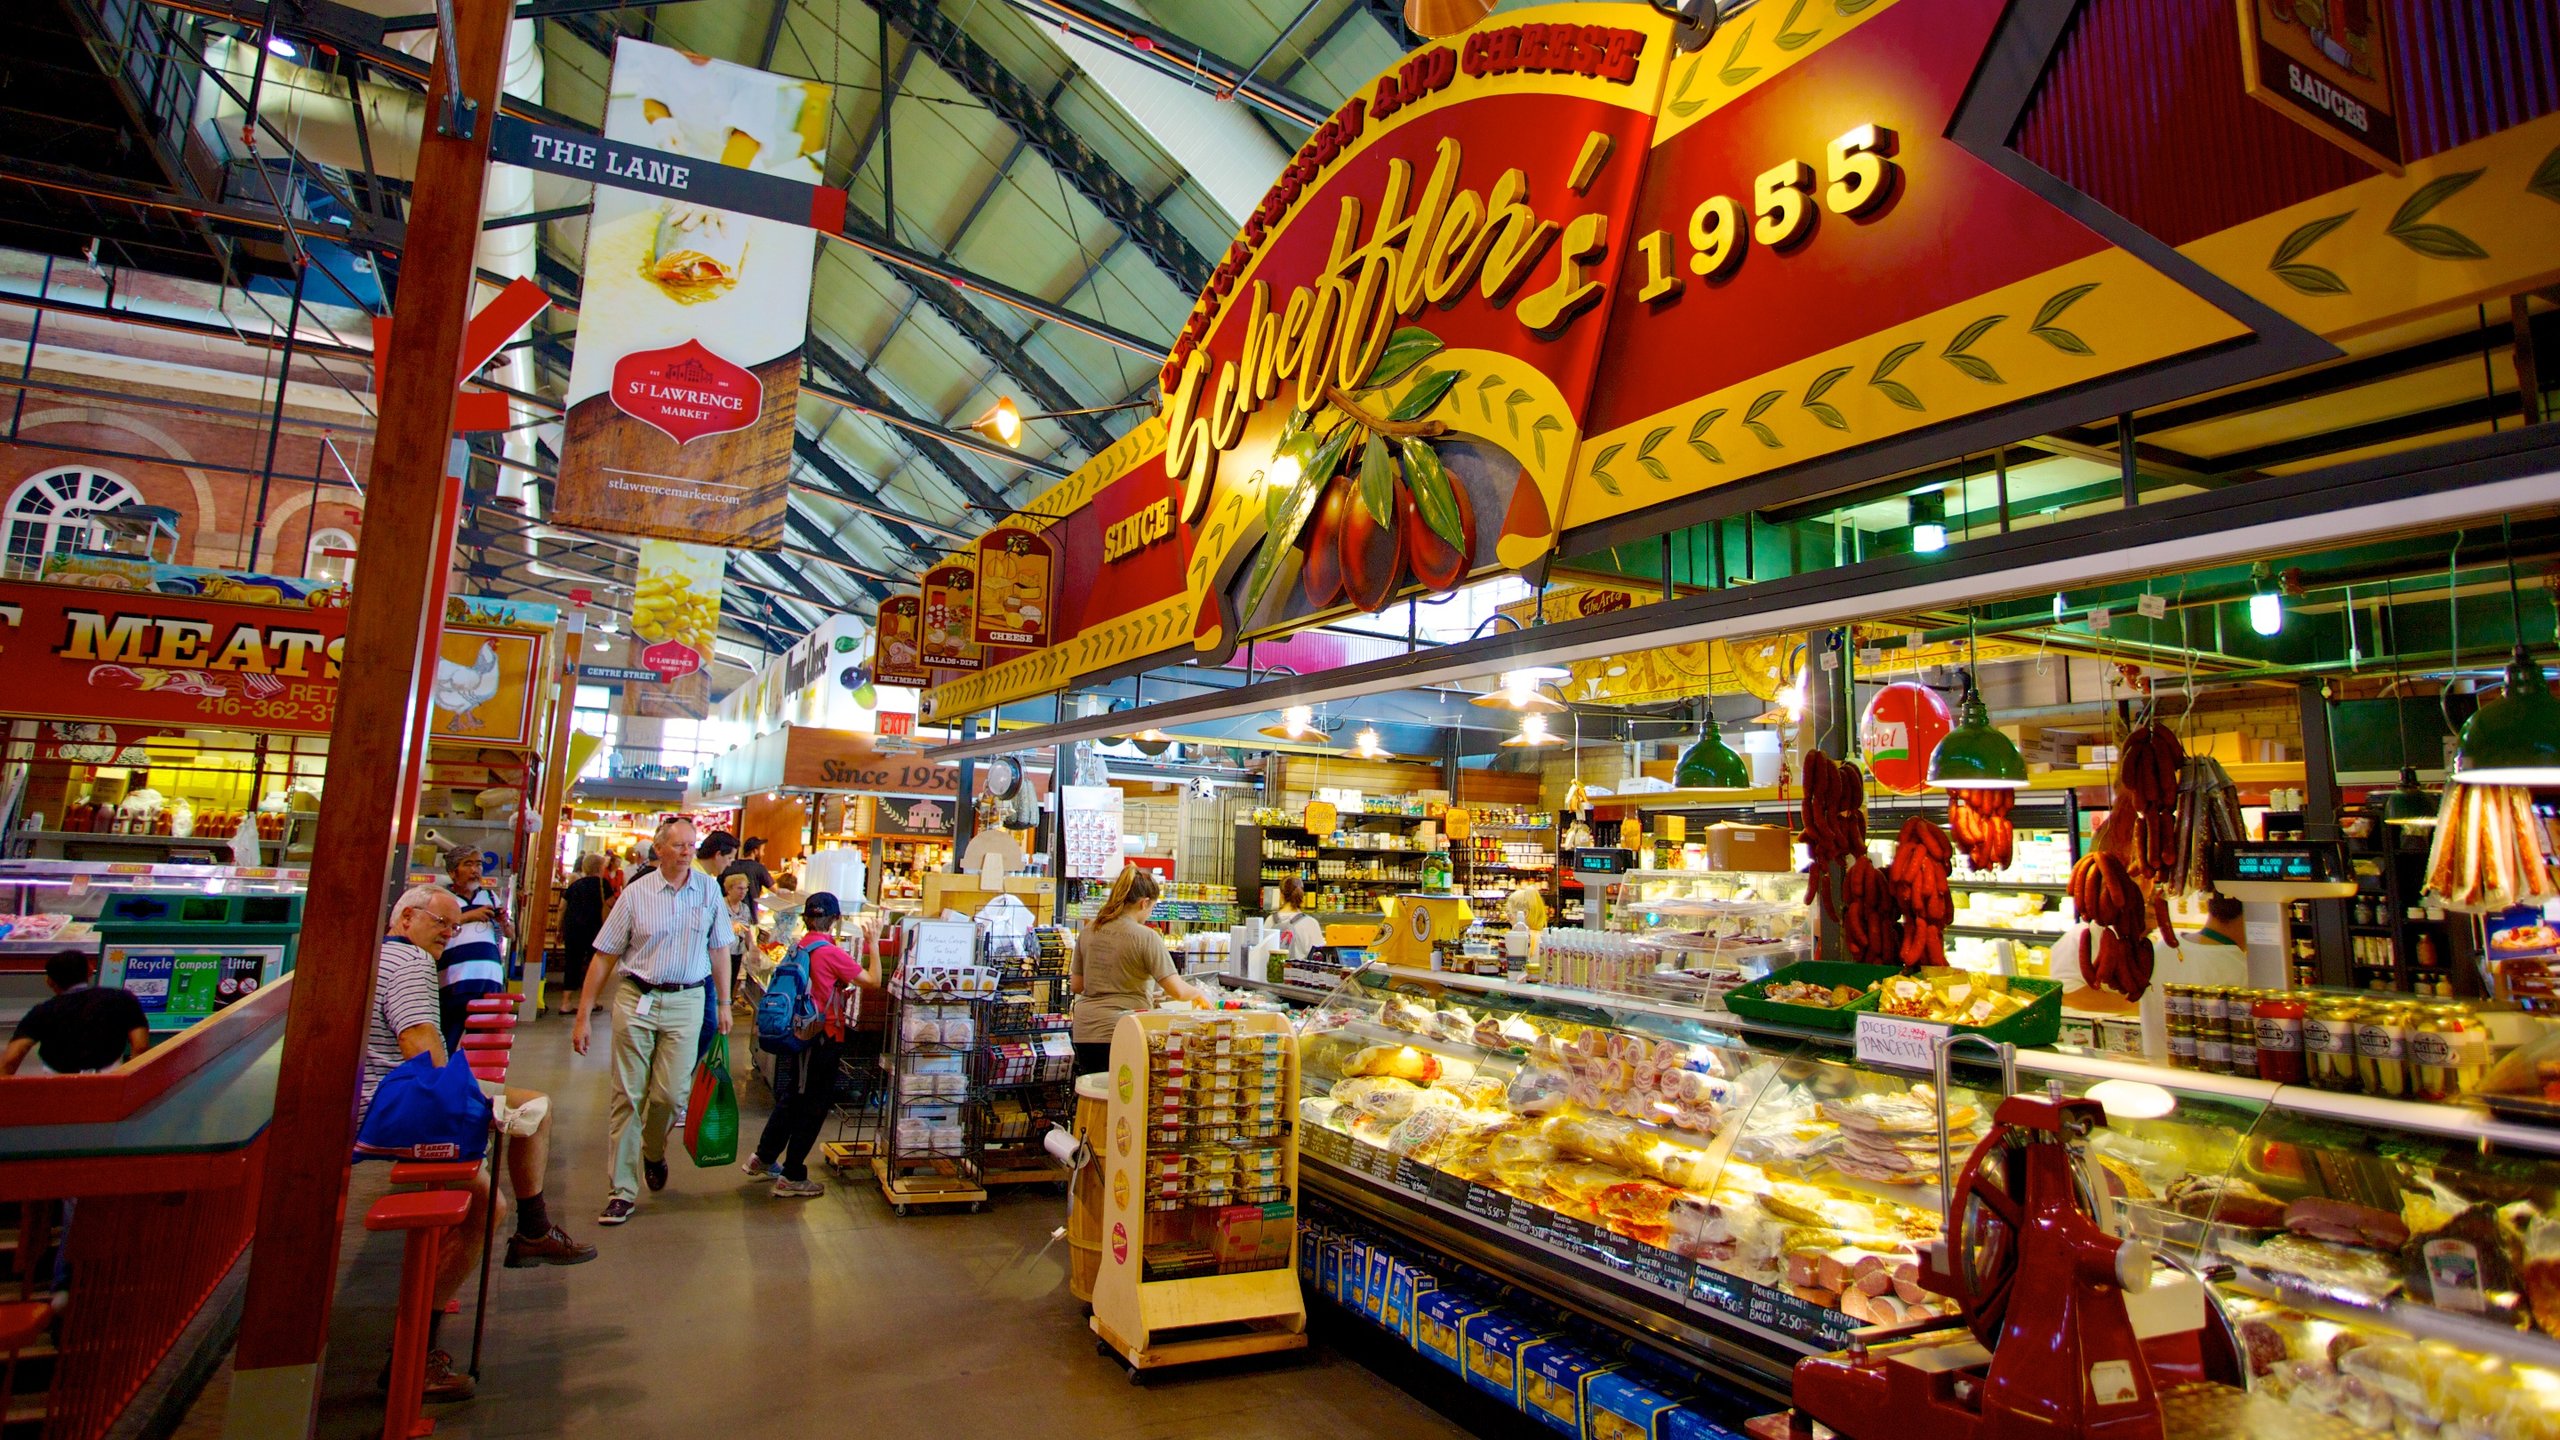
(2280, 862)
(1603, 862)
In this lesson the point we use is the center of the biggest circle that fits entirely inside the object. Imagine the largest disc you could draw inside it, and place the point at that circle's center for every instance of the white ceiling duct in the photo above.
(1222, 147)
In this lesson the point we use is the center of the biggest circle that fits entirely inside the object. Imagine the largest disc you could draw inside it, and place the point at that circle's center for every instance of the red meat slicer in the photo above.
(2047, 1346)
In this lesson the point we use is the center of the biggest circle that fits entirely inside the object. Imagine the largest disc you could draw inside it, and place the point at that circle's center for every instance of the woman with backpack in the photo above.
(800, 1023)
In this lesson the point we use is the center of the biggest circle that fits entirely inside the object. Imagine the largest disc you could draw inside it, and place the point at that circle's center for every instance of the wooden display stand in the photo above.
(946, 890)
(1152, 1324)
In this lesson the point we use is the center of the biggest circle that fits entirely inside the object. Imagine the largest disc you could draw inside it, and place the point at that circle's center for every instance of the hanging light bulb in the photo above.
(1297, 723)
(1711, 764)
(1002, 423)
(1534, 733)
(2409, 804)
(1518, 691)
(2266, 605)
(1929, 522)
(2514, 739)
(1366, 746)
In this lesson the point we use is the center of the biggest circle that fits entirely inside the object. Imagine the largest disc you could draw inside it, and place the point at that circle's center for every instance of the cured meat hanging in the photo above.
(1920, 892)
(1982, 826)
(2104, 893)
(1835, 823)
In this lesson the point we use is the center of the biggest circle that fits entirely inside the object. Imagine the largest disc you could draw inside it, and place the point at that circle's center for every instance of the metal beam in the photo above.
(958, 439)
(856, 381)
(852, 488)
(1171, 55)
(982, 75)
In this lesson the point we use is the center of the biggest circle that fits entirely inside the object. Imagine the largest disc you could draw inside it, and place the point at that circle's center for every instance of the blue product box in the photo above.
(1440, 1320)
(1493, 1346)
(1688, 1422)
(1621, 1407)
(1407, 1283)
(1555, 1383)
(1373, 1284)
(1329, 1258)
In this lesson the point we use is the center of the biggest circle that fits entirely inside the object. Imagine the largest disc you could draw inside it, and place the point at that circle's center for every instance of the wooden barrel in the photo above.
(1084, 1204)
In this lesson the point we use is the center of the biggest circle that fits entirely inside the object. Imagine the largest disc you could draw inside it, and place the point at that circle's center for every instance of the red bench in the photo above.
(424, 1216)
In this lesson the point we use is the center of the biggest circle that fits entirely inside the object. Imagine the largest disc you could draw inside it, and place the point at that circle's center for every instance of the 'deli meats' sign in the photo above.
(689, 337)
(79, 653)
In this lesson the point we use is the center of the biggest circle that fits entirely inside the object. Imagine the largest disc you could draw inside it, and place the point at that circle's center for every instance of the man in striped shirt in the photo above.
(475, 958)
(404, 1022)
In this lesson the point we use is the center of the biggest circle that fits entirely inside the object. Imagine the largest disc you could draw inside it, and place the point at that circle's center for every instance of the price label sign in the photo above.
(1897, 1042)
(2153, 607)
(1320, 817)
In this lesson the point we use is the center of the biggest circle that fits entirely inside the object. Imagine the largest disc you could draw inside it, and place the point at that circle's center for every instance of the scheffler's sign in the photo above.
(1552, 282)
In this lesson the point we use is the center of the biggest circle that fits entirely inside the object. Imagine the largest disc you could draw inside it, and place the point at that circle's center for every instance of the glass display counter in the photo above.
(1751, 1193)
(186, 939)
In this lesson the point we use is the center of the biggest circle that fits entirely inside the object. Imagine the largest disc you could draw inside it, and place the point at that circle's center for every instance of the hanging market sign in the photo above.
(1899, 732)
(84, 653)
(1017, 575)
(901, 642)
(1806, 250)
(950, 612)
(2327, 68)
(688, 363)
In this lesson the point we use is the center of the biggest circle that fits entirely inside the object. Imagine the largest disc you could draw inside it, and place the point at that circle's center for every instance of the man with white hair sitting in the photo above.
(405, 1021)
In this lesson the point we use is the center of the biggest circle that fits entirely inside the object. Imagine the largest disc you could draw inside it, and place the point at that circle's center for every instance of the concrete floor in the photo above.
(721, 1310)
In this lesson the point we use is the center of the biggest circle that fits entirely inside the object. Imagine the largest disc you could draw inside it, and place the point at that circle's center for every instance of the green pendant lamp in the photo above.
(1975, 756)
(1711, 764)
(2514, 739)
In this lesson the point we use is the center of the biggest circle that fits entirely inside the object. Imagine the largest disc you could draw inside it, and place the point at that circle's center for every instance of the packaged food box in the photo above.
(1555, 1383)
(1373, 1282)
(1493, 1348)
(1618, 1406)
(1686, 1421)
(1407, 1283)
(1329, 1256)
(1440, 1319)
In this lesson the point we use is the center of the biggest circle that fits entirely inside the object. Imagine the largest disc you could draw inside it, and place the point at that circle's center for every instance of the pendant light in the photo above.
(1297, 723)
(1519, 691)
(2514, 739)
(1366, 746)
(2407, 805)
(1974, 755)
(1711, 764)
(1534, 734)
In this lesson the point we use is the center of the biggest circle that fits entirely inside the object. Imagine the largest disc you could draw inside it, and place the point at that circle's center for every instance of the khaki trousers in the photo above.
(654, 1035)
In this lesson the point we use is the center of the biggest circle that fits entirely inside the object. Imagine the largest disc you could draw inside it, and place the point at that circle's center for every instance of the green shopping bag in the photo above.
(711, 1115)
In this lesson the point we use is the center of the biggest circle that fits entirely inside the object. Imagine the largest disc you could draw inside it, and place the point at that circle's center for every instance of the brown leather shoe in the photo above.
(446, 1384)
(553, 1248)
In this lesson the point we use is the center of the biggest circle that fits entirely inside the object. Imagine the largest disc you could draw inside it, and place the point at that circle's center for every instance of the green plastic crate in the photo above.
(2039, 1024)
(1748, 1003)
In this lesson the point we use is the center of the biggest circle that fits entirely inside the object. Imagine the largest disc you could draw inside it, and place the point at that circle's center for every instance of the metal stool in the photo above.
(424, 1215)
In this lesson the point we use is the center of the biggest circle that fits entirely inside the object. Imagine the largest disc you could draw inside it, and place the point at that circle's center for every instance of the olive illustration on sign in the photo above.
(1365, 489)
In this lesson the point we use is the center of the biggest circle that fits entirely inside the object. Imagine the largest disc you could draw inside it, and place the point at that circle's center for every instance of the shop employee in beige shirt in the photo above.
(1115, 958)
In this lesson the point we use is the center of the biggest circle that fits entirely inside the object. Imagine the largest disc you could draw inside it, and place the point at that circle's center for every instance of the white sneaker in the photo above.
(756, 1166)
(798, 1189)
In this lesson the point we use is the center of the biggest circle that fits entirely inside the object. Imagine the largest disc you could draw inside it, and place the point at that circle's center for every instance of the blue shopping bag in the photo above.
(426, 1111)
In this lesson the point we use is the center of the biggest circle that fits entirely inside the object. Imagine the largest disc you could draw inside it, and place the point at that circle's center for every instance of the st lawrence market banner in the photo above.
(692, 321)
(675, 616)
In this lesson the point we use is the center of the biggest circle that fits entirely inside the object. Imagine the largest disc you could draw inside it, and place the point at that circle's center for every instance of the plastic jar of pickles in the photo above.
(2382, 1050)
(2329, 1041)
(2448, 1051)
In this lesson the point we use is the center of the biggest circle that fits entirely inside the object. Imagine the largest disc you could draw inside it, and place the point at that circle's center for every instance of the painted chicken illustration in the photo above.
(462, 689)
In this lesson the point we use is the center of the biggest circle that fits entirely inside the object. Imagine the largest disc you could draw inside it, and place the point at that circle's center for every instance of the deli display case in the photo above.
(1746, 1194)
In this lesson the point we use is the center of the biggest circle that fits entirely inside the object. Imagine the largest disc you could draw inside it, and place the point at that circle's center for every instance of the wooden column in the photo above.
(372, 771)
(534, 857)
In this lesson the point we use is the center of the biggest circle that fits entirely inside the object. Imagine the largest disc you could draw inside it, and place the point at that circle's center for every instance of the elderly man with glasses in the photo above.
(668, 932)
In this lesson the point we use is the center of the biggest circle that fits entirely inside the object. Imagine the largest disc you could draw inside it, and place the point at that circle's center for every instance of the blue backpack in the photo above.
(790, 1003)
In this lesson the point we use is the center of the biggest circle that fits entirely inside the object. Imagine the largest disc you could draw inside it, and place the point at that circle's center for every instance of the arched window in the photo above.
(49, 514)
(331, 557)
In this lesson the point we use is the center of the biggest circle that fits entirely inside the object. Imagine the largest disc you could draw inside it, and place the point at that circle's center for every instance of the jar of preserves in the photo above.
(2182, 1047)
(2213, 1031)
(2278, 1017)
(2239, 1008)
(2448, 1052)
(2178, 1006)
(2382, 1050)
(2329, 1041)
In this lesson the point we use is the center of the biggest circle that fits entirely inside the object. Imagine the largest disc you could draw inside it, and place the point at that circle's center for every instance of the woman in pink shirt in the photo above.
(804, 1082)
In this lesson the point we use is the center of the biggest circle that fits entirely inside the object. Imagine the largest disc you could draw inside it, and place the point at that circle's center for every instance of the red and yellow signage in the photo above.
(899, 659)
(1551, 278)
(139, 657)
(950, 614)
(1017, 577)
(2327, 67)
